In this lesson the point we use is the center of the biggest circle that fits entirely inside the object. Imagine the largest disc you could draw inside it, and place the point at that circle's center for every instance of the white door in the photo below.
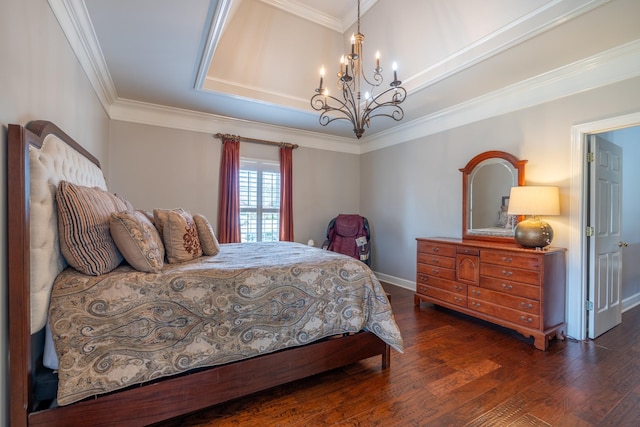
(605, 216)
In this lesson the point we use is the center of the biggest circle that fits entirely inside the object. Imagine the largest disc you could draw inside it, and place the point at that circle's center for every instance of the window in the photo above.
(259, 200)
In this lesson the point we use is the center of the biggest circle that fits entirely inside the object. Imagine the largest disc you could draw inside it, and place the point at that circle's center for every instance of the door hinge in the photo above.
(588, 305)
(591, 157)
(590, 231)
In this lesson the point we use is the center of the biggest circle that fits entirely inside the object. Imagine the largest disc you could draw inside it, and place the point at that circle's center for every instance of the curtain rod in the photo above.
(257, 141)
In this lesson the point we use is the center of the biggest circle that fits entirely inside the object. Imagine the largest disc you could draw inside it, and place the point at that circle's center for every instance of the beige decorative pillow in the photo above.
(160, 217)
(208, 240)
(149, 216)
(138, 240)
(83, 226)
(180, 237)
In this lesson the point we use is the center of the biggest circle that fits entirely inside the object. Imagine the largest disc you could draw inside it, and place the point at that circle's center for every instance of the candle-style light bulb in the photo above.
(377, 59)
(353, 44)
(342, 66)
(321, 77)
(395, 69)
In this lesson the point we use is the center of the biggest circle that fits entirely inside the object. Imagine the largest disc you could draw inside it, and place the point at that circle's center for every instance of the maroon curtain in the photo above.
(229, 206)
(286, 193)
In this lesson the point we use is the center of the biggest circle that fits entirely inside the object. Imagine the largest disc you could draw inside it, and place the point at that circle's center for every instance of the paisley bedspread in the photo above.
(128, 327)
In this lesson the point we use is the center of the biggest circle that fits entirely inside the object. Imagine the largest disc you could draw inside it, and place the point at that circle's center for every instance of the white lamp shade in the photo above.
(533, 200)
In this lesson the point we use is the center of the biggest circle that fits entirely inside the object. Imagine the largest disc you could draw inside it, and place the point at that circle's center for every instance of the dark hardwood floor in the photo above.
(458, 371)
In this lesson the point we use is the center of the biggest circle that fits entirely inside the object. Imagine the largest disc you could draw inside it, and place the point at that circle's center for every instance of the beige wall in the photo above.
(161, 167)
(40, 78)
(414, 189)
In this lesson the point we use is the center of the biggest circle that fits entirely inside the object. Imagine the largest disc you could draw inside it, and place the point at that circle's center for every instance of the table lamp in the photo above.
(532, 200)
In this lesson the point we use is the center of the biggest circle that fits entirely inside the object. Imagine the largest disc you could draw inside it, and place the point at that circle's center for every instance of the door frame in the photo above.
(577, 275)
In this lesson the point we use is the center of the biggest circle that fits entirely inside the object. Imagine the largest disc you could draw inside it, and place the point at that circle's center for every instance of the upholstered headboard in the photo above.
(55, 160)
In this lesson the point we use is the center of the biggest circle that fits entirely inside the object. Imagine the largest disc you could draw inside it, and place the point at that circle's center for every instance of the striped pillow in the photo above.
(83, 226)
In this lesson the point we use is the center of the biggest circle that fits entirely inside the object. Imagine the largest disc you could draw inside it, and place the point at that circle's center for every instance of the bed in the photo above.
(137, 347)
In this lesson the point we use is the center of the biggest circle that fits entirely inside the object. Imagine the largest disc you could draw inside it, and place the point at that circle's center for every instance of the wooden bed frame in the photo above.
(153, 402)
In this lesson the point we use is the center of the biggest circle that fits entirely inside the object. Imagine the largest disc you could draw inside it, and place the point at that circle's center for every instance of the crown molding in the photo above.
(617, 64)
(159, 115)
(213, 37)
(536, 22)
(335, 23)
(608, 67)
(73, 17)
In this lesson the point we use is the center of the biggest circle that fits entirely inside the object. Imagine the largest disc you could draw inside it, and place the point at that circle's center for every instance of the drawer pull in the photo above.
(423, 277)
(475, 304)
(435, 249)
(507, 287)
(507, 273)
(474, 292)
(435, 260)
(526, 319)
(457, 299)
(457, 287)
(507, 260)
(526, 305)
(435, 271)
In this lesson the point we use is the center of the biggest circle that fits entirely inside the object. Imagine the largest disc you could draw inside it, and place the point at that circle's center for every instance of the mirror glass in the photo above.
(487, 182)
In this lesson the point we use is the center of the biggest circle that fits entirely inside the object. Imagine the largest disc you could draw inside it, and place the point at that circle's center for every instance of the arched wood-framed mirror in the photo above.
(486, 184)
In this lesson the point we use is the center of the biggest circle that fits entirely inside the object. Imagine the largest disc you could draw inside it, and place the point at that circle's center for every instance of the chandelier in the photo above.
(351, 78)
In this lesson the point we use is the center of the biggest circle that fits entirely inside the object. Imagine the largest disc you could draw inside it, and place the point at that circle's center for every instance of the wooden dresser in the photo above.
(518, 288)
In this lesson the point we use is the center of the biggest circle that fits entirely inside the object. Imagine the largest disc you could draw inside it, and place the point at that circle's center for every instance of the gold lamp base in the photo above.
(533, 233)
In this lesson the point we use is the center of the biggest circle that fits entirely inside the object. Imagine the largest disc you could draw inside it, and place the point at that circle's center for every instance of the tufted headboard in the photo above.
(40, 155)
(53, 162)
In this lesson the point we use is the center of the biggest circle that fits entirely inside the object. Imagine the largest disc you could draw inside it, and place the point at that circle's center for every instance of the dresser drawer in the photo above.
(436, 293)
(513, 316)
(509, 273)
(504, 299)
(467, 250)
(511, 288)
(510, 259)
(446, 262)
(436, 248)
(445, 285)
(436, 271)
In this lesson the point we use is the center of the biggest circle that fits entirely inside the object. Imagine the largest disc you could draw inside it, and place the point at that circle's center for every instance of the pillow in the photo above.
(207, 237)
(160, 217)
(149, 216)
(138, 240)
(83, 226)
(181, 237)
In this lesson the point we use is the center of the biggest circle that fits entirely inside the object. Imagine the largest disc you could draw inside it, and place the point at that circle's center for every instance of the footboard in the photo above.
(172, 397)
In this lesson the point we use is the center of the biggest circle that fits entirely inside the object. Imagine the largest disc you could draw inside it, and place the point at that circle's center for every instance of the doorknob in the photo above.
(621, 244)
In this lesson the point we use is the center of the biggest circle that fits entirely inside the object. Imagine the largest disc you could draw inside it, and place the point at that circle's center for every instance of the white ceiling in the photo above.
(265, 54)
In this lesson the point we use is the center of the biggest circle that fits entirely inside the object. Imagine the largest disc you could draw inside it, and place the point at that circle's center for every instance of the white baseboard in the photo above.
(407, 284)
(627, 303)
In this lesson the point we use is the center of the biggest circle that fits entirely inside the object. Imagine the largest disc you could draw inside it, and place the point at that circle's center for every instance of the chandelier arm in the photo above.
(396, 113)
(319, 102)
(399, 95)
(377, 80)
(352, 106)
(381, 109)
